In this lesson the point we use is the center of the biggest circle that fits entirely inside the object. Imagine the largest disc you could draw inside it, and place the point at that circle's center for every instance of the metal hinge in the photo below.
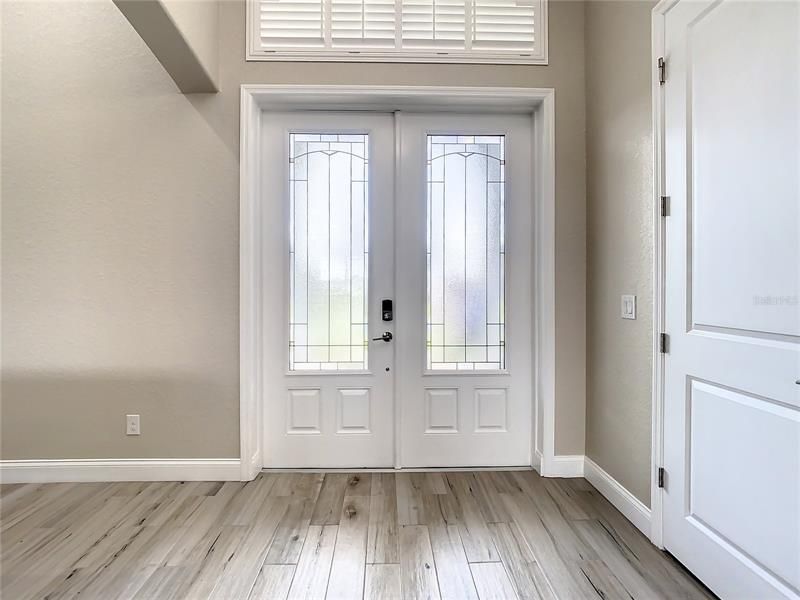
(664, 206)
(661, 474)
(663, 343)
(662, 71)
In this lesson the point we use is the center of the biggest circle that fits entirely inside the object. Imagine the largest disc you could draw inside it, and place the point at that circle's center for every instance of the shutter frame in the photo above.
(463, 31)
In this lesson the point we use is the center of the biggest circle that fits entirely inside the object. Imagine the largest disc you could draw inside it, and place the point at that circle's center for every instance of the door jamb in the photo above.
(257, 98)
(659, 271)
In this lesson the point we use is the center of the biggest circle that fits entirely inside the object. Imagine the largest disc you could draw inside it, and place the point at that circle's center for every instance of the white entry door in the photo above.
(732, 378)
(464, 290)
(398, 325)
(329, 255)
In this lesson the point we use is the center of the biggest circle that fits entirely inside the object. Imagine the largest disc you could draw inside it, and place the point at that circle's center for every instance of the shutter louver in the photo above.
(292, 24)
(503, 25)
(485, 31)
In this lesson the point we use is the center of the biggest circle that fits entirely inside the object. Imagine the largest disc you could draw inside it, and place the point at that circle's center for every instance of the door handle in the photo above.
(386, 337)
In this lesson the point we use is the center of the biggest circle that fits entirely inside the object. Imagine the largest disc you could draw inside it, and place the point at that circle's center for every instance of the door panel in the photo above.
(732, 407)
(328, 260)
(464, 287)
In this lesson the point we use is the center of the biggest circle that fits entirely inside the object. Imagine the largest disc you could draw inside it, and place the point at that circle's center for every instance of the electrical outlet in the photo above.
(132, 425)
(628, 306)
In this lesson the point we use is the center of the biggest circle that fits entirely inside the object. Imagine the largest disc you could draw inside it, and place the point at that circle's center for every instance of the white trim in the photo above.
(122, 469)
(539, 56)
(613, 491)
(537, 456)
(564, 465)
(250, 267)
(540, 102)
(659, 270)
(544, 287)
(522, 468)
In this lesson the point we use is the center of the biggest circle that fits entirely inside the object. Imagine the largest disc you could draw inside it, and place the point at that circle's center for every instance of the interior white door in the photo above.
(464, 268)
(328, 257)
(732, 401)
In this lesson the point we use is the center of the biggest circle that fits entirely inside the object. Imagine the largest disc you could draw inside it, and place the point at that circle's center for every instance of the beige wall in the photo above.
(120, 232)
(620, 239)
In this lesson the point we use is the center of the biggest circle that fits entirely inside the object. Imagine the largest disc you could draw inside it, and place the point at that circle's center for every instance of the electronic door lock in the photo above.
(387, 314)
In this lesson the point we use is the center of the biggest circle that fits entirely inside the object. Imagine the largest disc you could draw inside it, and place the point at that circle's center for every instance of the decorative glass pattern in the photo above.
(466, 252)
(328, 253)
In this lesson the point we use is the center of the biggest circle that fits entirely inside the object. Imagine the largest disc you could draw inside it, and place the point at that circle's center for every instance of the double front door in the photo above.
(398, 274)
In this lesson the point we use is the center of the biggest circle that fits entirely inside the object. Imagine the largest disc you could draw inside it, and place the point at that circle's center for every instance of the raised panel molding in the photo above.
(720, 418)
(491, 410)
(304, 412)
(353, 411)
(441, 410)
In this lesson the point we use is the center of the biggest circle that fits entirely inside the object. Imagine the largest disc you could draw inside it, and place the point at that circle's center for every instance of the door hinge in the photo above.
(663, 343)
(661, 474)
(664, 206)
(662, 71)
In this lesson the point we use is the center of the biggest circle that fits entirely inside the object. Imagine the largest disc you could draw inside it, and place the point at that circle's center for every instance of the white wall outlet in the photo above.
(132, 425)
(628, 306)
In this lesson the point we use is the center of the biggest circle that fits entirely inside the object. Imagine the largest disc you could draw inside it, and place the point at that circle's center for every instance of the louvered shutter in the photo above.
(489, 31)
(433, 23)
(291, 23)
(503, 25)
(363, 23)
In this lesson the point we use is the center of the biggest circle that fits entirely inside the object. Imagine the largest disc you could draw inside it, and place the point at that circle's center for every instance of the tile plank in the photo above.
(273, 582)
(382, 582)
(311, 575)
(417, 568)
(382, 535)
(350, 552)
(452, 568)
(492, 581)
(328, 507)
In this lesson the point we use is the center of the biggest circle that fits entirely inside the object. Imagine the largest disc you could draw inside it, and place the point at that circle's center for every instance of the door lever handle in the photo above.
(386, 337)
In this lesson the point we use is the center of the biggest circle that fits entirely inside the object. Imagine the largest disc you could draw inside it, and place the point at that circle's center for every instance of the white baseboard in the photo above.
(625, 502)
(536, 463)
(563, 465)
(122, 469)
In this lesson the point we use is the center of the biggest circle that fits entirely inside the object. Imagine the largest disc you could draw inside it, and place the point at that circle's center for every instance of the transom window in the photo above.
(473, 31)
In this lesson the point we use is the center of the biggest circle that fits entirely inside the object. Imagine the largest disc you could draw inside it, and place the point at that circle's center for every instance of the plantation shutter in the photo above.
(503, 25)
(291, 23)
(433, 23)
(368, 23)
(486, 30)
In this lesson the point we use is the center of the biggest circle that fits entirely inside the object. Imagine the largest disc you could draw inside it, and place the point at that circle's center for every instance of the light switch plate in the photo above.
(628, 306)
(132, 425)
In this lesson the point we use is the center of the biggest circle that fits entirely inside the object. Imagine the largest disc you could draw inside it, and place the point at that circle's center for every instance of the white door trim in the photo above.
(659, 271)
(255, 99)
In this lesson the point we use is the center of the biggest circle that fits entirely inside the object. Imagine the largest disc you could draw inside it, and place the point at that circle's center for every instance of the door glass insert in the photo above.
(466, 252)
(328, 252)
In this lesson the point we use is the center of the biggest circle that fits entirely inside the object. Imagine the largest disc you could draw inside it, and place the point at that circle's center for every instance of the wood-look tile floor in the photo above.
(407, 535)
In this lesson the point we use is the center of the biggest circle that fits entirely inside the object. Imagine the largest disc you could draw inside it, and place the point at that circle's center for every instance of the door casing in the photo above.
(539, 103)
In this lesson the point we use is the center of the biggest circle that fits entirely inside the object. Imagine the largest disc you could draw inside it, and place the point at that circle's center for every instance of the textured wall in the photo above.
(620, 239)
(120, 232)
